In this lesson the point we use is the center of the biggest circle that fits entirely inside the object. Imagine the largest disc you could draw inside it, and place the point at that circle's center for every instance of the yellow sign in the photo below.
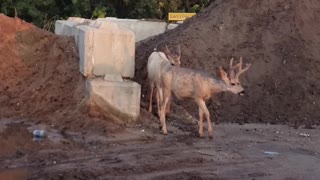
(180, 16)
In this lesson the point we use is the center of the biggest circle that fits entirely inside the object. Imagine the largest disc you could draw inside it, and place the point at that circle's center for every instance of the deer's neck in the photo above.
(218, 86)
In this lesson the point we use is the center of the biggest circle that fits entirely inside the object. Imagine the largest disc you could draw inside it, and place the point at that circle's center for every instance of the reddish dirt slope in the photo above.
(40, 78)
(280, 38)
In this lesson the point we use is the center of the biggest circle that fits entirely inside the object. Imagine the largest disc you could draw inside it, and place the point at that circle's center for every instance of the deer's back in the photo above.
(155, 61)
(188, 83)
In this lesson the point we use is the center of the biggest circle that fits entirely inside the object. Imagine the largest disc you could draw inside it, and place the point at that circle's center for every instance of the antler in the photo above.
(240, 68)
(232, 68)
(231, 71)
(231, 62)
(236, 66)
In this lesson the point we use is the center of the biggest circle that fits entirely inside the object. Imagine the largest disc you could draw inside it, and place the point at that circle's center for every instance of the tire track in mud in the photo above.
(116, 154)
(150, 160)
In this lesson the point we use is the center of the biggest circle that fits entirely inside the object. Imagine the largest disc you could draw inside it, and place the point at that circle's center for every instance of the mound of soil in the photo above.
(280, 38)
(40, 78)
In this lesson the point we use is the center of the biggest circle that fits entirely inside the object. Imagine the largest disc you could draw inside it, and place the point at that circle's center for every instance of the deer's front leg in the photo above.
(200, 122)
(204, 108)
(168, 107)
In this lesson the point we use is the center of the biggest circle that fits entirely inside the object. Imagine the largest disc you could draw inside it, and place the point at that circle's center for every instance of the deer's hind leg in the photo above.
(150, 96)
(166, 97)
(159, 99)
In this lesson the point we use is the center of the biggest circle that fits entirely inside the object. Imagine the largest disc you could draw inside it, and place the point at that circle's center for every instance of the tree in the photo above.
(44, 13)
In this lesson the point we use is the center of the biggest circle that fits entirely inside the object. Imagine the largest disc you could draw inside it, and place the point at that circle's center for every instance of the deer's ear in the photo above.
(223, 73)
(167, 51)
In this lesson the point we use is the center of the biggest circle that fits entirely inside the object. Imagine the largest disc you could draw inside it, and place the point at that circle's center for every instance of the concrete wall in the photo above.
(143, 29)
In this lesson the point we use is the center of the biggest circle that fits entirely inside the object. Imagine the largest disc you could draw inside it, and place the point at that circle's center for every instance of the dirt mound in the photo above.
(280, 38)
(40, 78)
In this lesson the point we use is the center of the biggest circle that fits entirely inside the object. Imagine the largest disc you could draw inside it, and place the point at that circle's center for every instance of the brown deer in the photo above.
(156, 60)
(200, 86)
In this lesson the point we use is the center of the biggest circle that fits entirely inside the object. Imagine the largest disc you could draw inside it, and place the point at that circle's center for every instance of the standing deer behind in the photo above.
(200, 86)
(156, 61)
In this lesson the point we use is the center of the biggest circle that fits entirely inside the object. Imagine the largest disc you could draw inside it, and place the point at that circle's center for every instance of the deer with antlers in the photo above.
(200, 86)
(156, 61)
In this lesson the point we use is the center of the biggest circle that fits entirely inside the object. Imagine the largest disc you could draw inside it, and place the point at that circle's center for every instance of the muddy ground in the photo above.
(141, 152)
(41, 88)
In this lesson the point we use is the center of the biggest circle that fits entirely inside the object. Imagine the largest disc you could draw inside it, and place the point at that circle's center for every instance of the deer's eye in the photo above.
(233, 84)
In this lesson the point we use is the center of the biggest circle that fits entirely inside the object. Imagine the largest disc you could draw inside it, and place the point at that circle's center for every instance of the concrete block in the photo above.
(85, 44)
(142, 29)
(77, 19)
(114, 52)
(104, 25)
(105, 51)
(113, 77)
(172, 26)
(76, 32)
(118, 100)
(64, 28)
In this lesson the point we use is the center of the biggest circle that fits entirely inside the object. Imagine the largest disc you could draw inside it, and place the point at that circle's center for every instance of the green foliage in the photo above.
(36, 11)
(43, 13)
(100, 12)
(144, 9)
(195, 8)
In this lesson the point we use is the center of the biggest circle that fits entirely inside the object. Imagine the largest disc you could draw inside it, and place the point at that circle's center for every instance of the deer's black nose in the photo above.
(242, 93)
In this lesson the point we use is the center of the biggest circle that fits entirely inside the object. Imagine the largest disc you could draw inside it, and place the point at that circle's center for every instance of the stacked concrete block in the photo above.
(80, 22)
(84, 39)
(64, 28)
(106, 50)
(113, 51)
(172, 26)
(113, 78)
(78, 19)
(70, 27)
(106, 25)
(120, 100)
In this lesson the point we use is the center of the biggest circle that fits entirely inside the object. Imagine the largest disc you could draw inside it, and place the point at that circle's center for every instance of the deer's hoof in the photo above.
(160, 127)
(165, 132)
(210, 135)
(200, 135)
